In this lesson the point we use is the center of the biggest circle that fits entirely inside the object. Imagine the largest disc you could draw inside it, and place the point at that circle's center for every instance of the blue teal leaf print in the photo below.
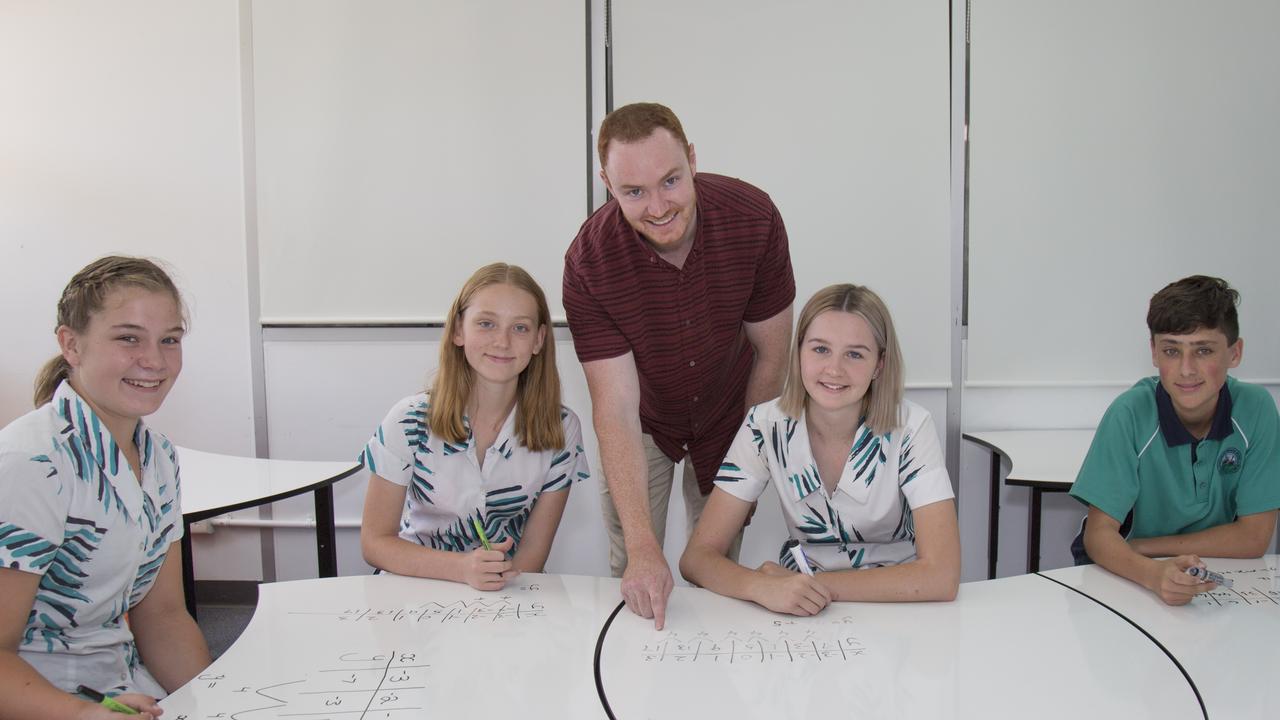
(867, 455)
(506, 510)
(729, 472)
(419, 485)
(757, 436)
(817, 528)
(142, 580)
(19, 543)
(906, 527)
(905, 461)
(60, 586)
(805, 481)
(45, 459)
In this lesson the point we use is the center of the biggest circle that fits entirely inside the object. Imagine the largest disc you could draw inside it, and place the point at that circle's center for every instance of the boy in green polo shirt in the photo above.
(1187, 464)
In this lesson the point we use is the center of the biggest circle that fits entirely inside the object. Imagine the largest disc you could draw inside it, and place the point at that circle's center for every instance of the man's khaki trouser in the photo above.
(661, 476)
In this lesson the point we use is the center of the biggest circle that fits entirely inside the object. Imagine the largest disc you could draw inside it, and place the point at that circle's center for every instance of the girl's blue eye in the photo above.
(820, 349)
(171, 340)
(854, 354)
(522, 328)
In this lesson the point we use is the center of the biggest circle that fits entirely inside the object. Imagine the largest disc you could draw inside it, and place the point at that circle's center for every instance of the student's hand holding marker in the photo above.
(793, 593)
(114, 707)
(488, 568)
(1172, 583)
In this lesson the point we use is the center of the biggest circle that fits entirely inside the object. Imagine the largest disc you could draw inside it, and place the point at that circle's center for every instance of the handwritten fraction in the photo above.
(753, 647)
(458, 611)
(357, 686)
(1253, 586)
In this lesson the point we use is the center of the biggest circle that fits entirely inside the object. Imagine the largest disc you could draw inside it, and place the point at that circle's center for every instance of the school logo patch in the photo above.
(1229, 461)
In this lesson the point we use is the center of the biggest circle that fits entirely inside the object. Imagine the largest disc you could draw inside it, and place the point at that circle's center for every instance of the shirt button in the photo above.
(695, 398)
(692, 363)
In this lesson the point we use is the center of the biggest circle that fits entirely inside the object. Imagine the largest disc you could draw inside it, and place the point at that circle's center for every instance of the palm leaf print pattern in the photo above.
(867, 454)
(61, 585)
(93, 461)
(18, 542)
(908, 470)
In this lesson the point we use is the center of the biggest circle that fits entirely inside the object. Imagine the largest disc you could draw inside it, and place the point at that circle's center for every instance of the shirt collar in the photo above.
(91, 440)
(1175, 433)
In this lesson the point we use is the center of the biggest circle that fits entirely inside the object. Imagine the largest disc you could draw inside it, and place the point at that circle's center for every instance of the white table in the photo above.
(1043, 460)
(1228, 641)
(396, 648)
(214, 484)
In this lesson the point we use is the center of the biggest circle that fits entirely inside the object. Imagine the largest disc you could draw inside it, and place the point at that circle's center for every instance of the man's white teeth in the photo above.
(668, 219)
(144, 383)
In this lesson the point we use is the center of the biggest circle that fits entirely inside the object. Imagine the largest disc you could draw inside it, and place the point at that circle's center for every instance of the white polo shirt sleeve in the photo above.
(744, 472)
(33, 508)
(390, 452)
(570, 464)
(922, 473)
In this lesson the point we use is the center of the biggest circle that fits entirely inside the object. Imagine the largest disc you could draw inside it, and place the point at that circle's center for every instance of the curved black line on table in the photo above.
(604, 701)
(1203, 710)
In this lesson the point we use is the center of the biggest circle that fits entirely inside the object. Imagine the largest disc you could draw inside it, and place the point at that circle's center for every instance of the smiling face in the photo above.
(1193, 368)
(499, 333)
(124, 363)
(838, 359)
(653, 182)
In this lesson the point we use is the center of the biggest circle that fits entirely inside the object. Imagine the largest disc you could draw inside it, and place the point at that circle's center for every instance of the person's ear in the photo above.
(69, 344)
(1235, 353)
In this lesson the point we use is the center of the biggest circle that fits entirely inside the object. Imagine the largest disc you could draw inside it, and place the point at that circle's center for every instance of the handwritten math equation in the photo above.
(459, 611)
(753, 647)
(1253, 586)
(357, 686)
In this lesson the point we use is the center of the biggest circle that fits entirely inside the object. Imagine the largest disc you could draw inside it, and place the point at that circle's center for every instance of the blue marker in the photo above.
(797, 554)
(1207, 575)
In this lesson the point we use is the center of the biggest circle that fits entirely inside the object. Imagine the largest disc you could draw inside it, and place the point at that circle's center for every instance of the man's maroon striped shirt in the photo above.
(684, 326)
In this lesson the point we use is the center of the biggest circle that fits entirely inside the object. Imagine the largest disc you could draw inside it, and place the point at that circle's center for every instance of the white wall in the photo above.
(121, 133)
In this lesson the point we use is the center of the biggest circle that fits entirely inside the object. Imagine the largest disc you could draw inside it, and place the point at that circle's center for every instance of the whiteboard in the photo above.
(998, 651)
(1114, 148)
(402, 145)
(398, 648)
(840, 111)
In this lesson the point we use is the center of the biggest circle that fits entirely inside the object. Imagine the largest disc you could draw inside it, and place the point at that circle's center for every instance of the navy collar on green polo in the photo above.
(1175, 433)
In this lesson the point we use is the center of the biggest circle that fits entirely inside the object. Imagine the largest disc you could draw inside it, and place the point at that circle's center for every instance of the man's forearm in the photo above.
(625, 470)
(765, 381)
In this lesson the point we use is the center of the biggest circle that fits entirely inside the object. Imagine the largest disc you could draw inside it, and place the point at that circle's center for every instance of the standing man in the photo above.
(678, 293)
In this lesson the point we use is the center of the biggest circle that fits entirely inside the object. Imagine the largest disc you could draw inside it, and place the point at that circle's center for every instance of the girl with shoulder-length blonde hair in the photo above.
(480, 466)
(859, 473)
(882, 404)
(90, 514)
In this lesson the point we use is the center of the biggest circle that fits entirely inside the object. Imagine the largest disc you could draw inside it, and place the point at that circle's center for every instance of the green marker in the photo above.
(106, 701)
(480, 531)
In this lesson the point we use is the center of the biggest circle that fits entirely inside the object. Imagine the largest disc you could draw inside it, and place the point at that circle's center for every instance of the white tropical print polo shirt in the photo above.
(446, 488)
(867, 521)
(72, 512)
